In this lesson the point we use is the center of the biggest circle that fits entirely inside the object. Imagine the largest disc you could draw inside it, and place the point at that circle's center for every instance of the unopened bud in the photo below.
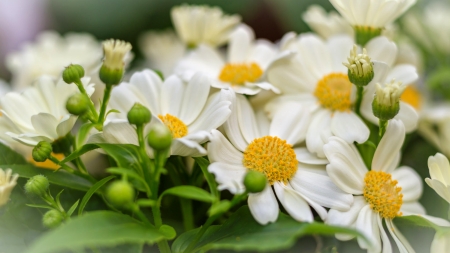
(77, 104)
(42, 151)
(120, 194)
(255, 181)
(111, 72)
(159, 137)
(386, 103)
(73, 73)
(139, 115)
(37, 185)
(52, 218)
(360, 67)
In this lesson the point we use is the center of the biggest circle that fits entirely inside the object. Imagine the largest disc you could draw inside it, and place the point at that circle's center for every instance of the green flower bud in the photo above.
(110, 76)
(77, 104)
(111, 72)
(159, 137)
(360, 67)
(52, 218)
(37, 185)
(386, 103)
(255, 181)
(42, 151)
(73, 73)
(120, 194)
(139, 115)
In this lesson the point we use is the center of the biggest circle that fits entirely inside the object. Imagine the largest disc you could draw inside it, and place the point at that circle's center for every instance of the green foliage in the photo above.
(91, 192)
(242, 232)
(203, 163)
(9, 157)
(97, 229)
(189, 192)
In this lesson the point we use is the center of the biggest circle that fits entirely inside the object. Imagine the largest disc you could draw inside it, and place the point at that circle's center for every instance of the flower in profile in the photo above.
(186, 108)
(382, 193)
(50, 54)
(244, 68)
(39, 112)
(115, 51)
(197, 25)
(440, 175)
(255, 144)
(162, 50)
(7, 183)
(326, 24)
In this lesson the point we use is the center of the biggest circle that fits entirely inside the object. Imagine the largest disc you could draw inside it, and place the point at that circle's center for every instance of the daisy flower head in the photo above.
(186, 108)
(434, 126)
(39, 113)
(7, 183)
(440, 175)
(197, 25)
(243, 69)
(382, 193)
(255, 144)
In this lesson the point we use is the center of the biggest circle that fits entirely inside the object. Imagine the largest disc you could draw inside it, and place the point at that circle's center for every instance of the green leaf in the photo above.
(203, 163)
(418, 220)
(112, 111)
(96, 229)
(146, 202)
(241, 232)
(61, 177)
(142, 185)
(188, 192)
(72, 209)
(91, 192)
(83, 133)
(40, 206)
(9, 156)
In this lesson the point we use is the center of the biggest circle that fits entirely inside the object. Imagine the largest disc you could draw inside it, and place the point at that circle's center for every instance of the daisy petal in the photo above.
(290, 122)
(367, 224)
(350, 127)
(389, 146)
(304, 156)
(221, 150)
(410, 182)
(402, 244)
(318, 132)
(293, 202)
(387, 248)
(409, 116)
(198, 88)
(230, 177)
(264, 206)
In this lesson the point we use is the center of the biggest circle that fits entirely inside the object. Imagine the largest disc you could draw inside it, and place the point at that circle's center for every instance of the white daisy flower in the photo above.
(256, 144)
(440, 175)
(382, 193)
(197, 25)
(50, 54)
(39, 112)
(7, 183)
(441, 243)
(186, 108)
(243, 69)
(371, 13)
(326, 24)
(162, 49)
(434, 126)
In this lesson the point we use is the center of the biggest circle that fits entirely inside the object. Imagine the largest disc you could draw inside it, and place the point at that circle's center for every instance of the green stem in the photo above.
(91, 104)
(79, 163)
(141, 215)
(162, 245)
(70, 170)
(146, 168)
(106, 96)
(359, 97)
(383, 125)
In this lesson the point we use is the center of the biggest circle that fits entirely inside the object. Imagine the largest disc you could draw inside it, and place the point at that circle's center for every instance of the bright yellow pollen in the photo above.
(383, 194)
(240, 73)
(47, 164)
(175, 125)
(333, 92)
(412, 96)
(273, 157)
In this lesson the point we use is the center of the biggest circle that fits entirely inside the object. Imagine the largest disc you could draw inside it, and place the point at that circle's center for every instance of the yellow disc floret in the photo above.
(412, 96)
(273, 157)
(333, 92)
(383, 194)
(175, 125)
(240, 73)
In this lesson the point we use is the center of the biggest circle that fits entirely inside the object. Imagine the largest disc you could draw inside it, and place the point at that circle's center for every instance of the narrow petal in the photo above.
(439, 168)
(194, 98)
(304, 156)
(409, 116)
(410, 182)
(389, 146)
(120, 131)
(293, 202)
(45, 124)
(66, 124)
(318, 132)
(221, 150)
(230, 177)
(264, 206)
(172, 93)
(239, 44)
(442, 190)
(187, 147)
(368, 225)
(402, 244)
(347, 218)
(232, 128)
(290, 122)
(387, 247)
(350, 127)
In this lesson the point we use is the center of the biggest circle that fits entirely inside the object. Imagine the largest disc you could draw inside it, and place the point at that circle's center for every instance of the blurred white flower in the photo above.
(7, 183)
(441, 243)
(197, 25)
(440, 175)
(50, 54)
(162, 49)
(434, 126)
(326, 24)
(115, 52)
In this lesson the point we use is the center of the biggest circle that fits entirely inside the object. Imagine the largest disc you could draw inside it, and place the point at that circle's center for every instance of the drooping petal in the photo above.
(293, 202)
(368, 225)
(230, 177)
(402, 244)
(264, 206)
(221, 150)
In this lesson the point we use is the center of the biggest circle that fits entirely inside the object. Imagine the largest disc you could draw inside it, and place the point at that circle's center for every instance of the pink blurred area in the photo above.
(20, 21)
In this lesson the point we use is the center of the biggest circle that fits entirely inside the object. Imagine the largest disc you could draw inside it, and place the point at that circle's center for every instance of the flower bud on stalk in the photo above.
(159, 137)
(111, 72)
(360, 67)
(77, 104)
(255, 181)
(120, 194)
(386, 102)
(139, 115)
(42, 151)
(52, 218)
(37, 185)
(73, 73)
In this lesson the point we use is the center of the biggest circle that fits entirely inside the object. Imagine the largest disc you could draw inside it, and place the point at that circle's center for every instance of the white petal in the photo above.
(247, 119)
(290, 122)
(410, 182)
(264, 206)
(45, 124)
(66, 124)
(368, 225)
(339, 46)
(203, 59)
(194, 98)
(120, 131)
(186, 147)
(232, 128)
(441, 243)
(348, 126)
(149, 84)
(293, 202)
(268, 86)
(439, 167)
(409, 116)
(402, 244)
(389, 146)
(230, 177)
(382, 49)
(172, 93)
(304, 156)
(221, 150)
(347, 218)
(412, 208)
(318, 130)
(404, 73)
(387, 248)
(239, 44)
(442, 190)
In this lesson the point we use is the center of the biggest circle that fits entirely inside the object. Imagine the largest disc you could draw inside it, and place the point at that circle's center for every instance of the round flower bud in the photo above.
(73, 73)
(42, 151)
(360, 68)
(255, 181)
(111, 72)
(110, 76)
(139, 115)
(386, 103)
(120, 193)
(37, 185)
(77, 104)
(52, 218)
(159, 137)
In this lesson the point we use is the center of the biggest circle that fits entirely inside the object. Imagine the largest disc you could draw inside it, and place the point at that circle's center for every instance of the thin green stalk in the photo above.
(162, 245)
(70, 170)
(141, 215)
(91, 104)
(359, 97)
(106, 96)
(383, 126)
(146, 166)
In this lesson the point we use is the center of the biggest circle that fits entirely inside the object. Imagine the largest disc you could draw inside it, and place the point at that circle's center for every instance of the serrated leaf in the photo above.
(91, 192)
(96, 229)
(203, 163)
(72, 208)
(188, 192)
(62, 178)
(242, 232)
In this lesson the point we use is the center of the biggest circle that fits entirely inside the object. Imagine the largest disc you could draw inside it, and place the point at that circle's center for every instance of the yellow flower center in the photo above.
(412, 96)
(383, 194)
(175, 125)
(240, 73)
(273, 157)
(47, 164)
(333, 92)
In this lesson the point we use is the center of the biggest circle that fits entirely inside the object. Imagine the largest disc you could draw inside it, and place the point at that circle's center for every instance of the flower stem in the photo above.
(106, 96)
(70, 170)
(91, 104)
(359, 97)
(383, 125)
